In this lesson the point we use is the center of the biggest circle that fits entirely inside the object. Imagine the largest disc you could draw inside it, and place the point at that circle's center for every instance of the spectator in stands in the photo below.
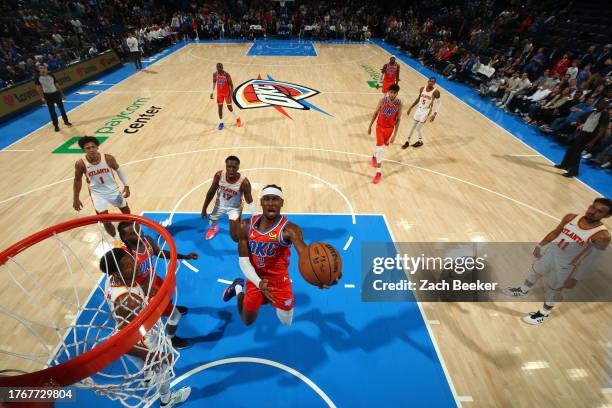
(567, 124)
(57, 37)
(21, 72)
(93, 50)
(584, 74)
(573, 70)
(522, 103)
(562, 65)
(508, 84)
(545, 112)
(589, 57)
(601, 59)
(517, 89)
(591, 130)
(534, 67)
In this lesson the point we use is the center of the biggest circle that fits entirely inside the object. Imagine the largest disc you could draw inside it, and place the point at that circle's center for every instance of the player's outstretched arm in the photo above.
(112, 163)
(248, 196)
(550, 237)
(375, 115)
(79, 170)
(293, 234)
(157, 251)
(210, 194)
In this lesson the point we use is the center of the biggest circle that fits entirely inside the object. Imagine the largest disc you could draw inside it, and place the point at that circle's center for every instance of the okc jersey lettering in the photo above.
(267, 252)
(263, 249)
(390, 73)
(388, 113)
(222, 85)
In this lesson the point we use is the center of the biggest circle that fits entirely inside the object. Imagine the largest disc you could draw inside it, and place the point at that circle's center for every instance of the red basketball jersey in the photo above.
(387, 115)
(222, 84)
(390, 73)
(268, 253)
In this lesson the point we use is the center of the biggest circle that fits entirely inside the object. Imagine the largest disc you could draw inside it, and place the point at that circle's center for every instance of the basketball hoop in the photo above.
(90, 352)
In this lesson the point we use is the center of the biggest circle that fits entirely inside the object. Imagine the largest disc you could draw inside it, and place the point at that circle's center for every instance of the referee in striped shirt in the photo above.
(51, 93)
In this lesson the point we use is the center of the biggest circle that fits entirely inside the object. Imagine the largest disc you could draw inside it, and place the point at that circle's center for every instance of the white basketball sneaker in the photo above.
(514, 292)
(177, 397)
(536, 318)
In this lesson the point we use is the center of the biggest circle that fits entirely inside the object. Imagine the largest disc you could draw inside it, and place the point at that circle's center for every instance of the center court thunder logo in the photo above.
(263, 93)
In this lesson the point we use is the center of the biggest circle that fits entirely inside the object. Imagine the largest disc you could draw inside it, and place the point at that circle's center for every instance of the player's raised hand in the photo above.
(77, 204)
(126, 192)
(265, 288)
(334, 283)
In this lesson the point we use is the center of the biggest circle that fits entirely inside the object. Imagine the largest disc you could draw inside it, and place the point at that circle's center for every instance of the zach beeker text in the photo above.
(427, 285)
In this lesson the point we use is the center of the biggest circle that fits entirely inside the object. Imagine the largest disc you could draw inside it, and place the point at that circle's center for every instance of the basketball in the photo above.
(321, 264)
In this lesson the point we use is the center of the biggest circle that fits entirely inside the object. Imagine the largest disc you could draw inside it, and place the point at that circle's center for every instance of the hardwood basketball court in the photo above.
(472, 181)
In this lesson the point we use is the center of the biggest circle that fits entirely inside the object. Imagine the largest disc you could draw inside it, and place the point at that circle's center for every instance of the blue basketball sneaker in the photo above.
(221, 126)
(230, 291)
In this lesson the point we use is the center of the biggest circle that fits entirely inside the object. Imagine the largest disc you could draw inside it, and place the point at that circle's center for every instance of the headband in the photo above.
(272, 191)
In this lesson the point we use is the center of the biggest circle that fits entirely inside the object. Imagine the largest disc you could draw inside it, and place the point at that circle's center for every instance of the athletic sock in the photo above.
(238, 289)
(524, 288)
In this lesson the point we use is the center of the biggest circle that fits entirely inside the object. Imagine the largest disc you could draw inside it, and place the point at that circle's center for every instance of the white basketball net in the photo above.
(53, 303)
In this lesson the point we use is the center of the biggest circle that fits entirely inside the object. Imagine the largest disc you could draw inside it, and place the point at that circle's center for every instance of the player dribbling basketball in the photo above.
(387, 115)
(222, 80)
(229, 186)
(264, 248)
(103, 189)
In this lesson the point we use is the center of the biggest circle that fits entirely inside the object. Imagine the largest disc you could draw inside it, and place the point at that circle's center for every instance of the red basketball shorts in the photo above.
(386, 85)
(224, 97)
(383, 135)
(280, 290)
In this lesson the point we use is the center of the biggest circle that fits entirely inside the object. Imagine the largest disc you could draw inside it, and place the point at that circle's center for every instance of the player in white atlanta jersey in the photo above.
(103, 189)
(428, 100)
(573, 248)
(126, 299)
(229, 186)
